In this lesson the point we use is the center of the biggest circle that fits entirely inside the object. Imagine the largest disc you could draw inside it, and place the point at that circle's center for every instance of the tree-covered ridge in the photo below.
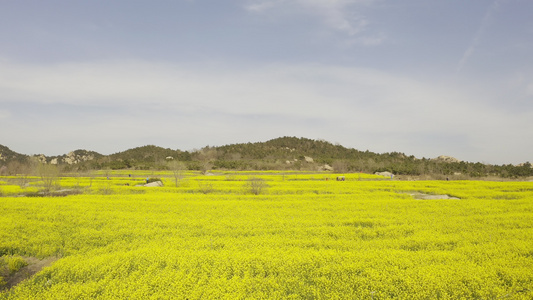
(352, 160)
(144, 157)
(144, 153)
(7, 155)
(284, 153)
(285, 148)
(73, 157)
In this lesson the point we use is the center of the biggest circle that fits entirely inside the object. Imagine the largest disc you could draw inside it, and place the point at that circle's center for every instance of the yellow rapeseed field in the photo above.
(299, 236)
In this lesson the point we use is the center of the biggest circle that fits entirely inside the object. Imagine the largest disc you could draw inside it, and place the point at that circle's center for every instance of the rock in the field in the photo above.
(386, 174)
(308, 159)
(154, 184)
(327, 167)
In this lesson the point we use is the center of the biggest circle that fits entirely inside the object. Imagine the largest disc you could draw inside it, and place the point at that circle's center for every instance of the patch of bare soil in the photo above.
(422, 196)
(34, 266)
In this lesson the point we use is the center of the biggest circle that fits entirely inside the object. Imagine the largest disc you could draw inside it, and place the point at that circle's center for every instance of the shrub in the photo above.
(255, 186)
(205, 187)
(15, 263)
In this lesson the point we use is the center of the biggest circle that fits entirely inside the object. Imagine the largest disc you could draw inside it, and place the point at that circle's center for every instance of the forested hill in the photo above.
(293, 147)
(286, 148)
(284, 153)
(293, 152)
(149, 153)
(7, 155)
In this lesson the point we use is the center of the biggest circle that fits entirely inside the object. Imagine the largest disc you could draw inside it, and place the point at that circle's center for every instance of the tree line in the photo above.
(285, 153)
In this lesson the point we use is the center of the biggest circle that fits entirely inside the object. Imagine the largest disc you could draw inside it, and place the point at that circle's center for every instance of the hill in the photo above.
(284, 153)
(292, 153)
(7, 156)
(144, 157)
(72, 158)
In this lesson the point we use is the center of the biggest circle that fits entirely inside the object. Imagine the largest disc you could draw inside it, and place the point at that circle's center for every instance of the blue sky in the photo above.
(426, 78)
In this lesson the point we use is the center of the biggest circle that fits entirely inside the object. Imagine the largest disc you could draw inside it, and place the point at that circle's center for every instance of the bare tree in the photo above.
(205, 166)
(340, 166)
(49, 175)
(178, 171)
(107, 172)
(256, 185)
(22, 171)
(90, 175)
(205, 186)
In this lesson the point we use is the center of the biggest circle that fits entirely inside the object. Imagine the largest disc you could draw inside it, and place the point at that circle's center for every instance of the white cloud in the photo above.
(282, 89)
(260, 6)
(382, 111)
(530, 89)
(367, 40)
(4, 114)
(304, 90)
(339, 15)
(485, 22)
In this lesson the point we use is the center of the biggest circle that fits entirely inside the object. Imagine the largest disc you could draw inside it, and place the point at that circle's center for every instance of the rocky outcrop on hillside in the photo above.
(448, 159)
(80, 156)
(526, 164)
(7, 155)
(72, 158)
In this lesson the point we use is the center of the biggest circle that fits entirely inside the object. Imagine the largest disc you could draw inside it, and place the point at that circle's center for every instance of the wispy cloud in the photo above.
(485, 22)
(339, 15)
(387, 112)
(529, 89)
(4, 114)
(260, 6)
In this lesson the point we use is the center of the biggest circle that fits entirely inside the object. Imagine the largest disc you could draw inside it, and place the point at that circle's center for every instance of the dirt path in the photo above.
(34, 266)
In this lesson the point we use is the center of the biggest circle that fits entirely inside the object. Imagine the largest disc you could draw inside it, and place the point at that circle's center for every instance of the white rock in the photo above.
(386, 174)
(445, 158)
(154, 184)
(327, 167)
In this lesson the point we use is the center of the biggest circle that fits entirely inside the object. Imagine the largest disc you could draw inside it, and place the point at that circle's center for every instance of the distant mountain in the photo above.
(298, 153)
(72, 158)
(7, 155)
(285, 148)
(144, 157)
(145, 153)
(284, 153)
(293, 147)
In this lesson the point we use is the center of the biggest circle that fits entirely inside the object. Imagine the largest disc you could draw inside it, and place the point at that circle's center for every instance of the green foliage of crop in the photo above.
(10, 264)
(15, 263)
(307, 236)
